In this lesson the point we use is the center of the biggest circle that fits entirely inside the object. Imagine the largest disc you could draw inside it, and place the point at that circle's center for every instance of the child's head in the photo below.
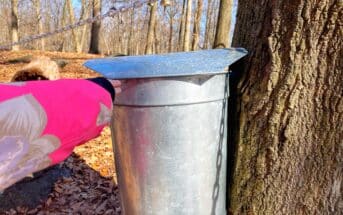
(40, 68)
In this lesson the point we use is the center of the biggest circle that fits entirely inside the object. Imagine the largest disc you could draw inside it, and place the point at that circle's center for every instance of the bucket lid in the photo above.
(204, 62)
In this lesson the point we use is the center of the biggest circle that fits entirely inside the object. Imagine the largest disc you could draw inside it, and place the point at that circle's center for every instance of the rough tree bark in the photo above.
(223, 24)
(288, 100)
(151, 27)
(95, 29)
(39, 22)
(14, 24)
(196, 28)
(187, 39)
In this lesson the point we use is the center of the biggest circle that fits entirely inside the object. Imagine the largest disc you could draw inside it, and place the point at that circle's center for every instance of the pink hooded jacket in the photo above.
(41, 122)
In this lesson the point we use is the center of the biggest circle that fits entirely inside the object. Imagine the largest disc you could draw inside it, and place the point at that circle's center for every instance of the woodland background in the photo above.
(286, 96)
(174, 25)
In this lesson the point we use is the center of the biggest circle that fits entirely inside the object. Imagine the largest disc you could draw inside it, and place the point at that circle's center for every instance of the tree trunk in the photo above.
(151, 27)
(130, 40)
(49, 25)
(74, 32)
(214, 20)
(171, 23)
(157, 43)
(196, 28)
(63, 23)
(39, 23)
(287, 106)
(187, 39)
(95, 30)
(84, 15)
(182, 26)
(208, 24)
(172, 11)
(223, 24)
(14, 24)
(120, 36)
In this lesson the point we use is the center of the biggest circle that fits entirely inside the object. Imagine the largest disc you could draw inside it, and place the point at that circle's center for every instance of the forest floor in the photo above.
(92, 186)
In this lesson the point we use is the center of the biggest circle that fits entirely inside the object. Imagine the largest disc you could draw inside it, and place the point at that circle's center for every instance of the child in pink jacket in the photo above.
(41, 122)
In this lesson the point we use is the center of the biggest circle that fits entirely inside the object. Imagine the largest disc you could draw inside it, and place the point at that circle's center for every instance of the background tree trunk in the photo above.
(151, 29)
(39, 23)
(14, 24)
(84, 15)
(95, 30)
(172, 11)
(170, 41)
(74, 32)
(196, 28)
(223, 25)
(182, 26)
(120, 36)
(187, 39)
(287, 102)
(63, 23)
(157, 39)
(130, 40)
(208, 23)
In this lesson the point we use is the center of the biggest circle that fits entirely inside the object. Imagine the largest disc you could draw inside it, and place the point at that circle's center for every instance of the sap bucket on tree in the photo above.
(169, 130)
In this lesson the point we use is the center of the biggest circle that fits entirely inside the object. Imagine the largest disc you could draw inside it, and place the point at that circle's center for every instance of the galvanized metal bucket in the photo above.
(169, 130)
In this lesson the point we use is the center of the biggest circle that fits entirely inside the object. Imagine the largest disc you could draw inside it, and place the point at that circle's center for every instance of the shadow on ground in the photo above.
(69, 188)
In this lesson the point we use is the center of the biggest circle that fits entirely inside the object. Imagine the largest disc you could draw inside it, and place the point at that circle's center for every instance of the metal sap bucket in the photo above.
(169, 130)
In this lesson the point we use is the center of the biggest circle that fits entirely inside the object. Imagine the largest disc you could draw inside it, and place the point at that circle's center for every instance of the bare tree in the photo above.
(196, 28)
(214, 21)
(287, 108)
(84, 15)
(187, 39)
(223, 24)
(5, 21)
(14, 24)
(130, 40)
(182, 26)
(151, 29)
(208, 23)
(171, 23)
(63, 21)
(37, 5)
(171, 11)
(75, 34)
(95, 30)
(157, 48)
(126, 33)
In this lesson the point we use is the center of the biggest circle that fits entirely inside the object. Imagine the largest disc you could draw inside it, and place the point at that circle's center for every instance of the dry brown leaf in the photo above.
(48, 202)
(101, 207)
(58, 189)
